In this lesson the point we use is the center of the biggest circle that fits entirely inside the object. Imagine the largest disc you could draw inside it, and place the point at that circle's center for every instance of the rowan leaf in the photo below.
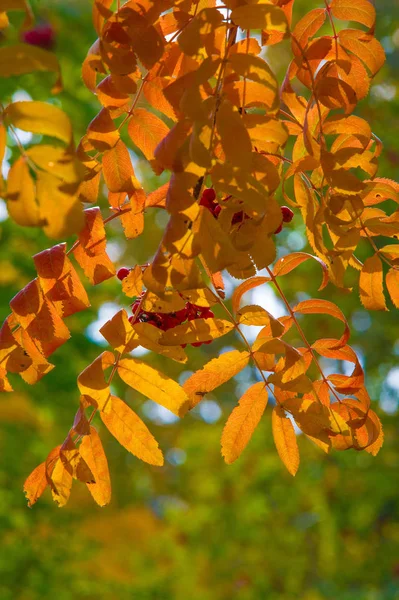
(155, 385)
(245, 287)
(288, 263)
(198, 330)
(243, 421)
(216, 372)
(90, 252)
(324, 307)
(146, 131)
(40, 117)
(371, 284)
(19, 59)
(61, 483)
(131, 432)
(392, 282)
(285, 440)
(92, 383)
(35, 484)
(21, 195)
(361, 11)
(92, 451)
(260, 16)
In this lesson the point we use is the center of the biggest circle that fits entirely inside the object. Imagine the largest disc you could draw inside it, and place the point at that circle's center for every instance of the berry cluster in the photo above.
(42, 35)
(166, 321)
(208, 199)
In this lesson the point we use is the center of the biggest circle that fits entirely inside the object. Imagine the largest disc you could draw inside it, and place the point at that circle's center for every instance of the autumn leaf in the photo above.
(35, 484)
(371, 284)
(155, 385)
(131, 432)
(215, 373)
(91, 450)
(285, 440)
(243, 421)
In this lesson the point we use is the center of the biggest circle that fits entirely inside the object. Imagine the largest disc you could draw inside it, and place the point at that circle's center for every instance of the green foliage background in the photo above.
(198, 529)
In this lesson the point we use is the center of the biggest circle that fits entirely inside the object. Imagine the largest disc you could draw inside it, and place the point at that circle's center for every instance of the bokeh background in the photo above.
(197, 529)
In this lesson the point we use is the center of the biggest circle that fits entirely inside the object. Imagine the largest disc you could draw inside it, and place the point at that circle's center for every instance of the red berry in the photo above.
(122, 273)
(181, 315)
(208, 195)
(217, 210)
(183, 345)
(197, 344)
(206, 313)
(287, 213)
(41, 35)
(208, 342)
(279, 228)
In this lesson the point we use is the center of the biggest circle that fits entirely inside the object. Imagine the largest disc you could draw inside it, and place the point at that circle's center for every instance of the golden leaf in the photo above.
(215, 373)
(371, 284)
(285, 439)
(131, 432)
(92, 451)
(243, 421)
(155, 385)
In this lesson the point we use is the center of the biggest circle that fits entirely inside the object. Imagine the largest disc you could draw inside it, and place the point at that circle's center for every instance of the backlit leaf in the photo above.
(155, 385)
(92, 451)
(198, 330)
(35, 484)
(131, 432)
(243, 421)
(216, 372)
(19, 59)
(146, 131)
(371, 284)
(361, 11)
(285, 439)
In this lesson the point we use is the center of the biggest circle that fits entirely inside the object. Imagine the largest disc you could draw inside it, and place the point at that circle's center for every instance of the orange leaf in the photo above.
(146, 131)
(392, 282)
(243, 421)
(361, 11)
(92, 451)
(215, 373)
(324, 307)
(288, 263)
(306, 28)
(246, 286)
(35, 484)
(61, 483)
(285, 439)
(371, 284)
(59, 281)
(39, 318)
(90, 253)
(118, 170)
(92, 383)
(131, 432)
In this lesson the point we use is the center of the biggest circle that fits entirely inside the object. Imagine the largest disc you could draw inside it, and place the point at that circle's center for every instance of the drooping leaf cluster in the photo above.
(188, 83)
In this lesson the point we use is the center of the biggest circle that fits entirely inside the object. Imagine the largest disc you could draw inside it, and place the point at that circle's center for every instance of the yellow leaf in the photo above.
(215, 373)
(23, 5)
(61, 483)
(371, 284)
(40, 117)
(155, 385)
(198, 330)
(74, 462)
(92, 451)
(119, 333)
(146, 131)
(131, 432)
(234, 136)
(19, 59)
(60, 208)
(256, 315)
(260, 16)
(21, 201)
(243, 421)
(285, 439)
